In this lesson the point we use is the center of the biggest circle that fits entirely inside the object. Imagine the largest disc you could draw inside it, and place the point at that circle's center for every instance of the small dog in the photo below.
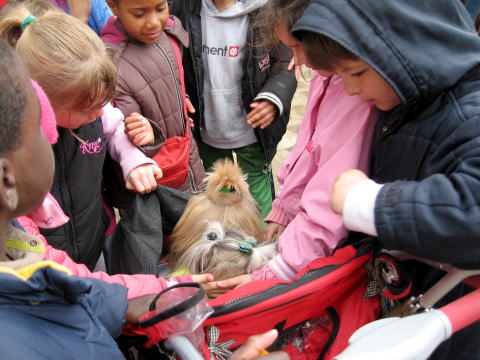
(226, 200)
(225, 253)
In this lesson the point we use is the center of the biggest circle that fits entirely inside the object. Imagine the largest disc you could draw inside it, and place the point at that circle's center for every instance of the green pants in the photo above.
(251, 161)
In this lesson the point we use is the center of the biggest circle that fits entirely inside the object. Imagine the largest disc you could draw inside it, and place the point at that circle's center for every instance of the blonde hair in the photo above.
(227, 200)
(64, 56)
(225, 253)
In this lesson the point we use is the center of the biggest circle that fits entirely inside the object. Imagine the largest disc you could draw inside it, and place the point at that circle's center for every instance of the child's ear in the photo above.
(112, 4)
(8, 186)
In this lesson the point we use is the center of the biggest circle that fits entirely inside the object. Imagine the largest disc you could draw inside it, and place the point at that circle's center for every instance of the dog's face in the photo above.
(225, 253)
(227, 200)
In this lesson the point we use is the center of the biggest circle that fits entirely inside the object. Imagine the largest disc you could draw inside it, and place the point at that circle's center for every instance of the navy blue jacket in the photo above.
(427, 149)
(51, 315)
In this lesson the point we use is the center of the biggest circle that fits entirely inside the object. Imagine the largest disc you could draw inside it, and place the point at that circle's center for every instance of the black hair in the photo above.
(13, 99)
(322, 52)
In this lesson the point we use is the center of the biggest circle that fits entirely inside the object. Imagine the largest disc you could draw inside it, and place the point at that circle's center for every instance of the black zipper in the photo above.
(177, 91)
(252, 299)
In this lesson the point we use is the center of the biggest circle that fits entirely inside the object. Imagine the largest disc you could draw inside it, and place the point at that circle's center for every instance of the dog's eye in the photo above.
(212, 236)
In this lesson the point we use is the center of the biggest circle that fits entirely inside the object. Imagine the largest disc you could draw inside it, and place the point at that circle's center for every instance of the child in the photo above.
(45, 312)
(419, 63)
(334, 136)
(150, 82)
(241, 93)
(137, 284)
(70, 62)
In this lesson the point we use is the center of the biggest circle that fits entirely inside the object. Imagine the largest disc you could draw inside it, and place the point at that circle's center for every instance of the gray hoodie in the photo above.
(224, 37)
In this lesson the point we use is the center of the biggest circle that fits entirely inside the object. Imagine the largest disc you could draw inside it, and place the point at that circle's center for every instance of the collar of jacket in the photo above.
(24, 249)
(114, 32)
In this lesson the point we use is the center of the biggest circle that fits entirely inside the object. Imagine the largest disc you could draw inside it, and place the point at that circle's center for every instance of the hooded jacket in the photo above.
(276, 80)
(426, 150)
(149, 84)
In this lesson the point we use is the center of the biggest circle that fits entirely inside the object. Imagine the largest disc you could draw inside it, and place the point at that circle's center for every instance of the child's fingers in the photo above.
(291, 64)
(190, 107)
(136, 127)
(135, 132)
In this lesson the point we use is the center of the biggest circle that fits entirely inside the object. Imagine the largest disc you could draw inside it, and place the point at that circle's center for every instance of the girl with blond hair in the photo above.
(71, 64)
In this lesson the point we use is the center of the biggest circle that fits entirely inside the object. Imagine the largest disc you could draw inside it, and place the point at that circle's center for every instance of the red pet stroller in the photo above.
(315, 314)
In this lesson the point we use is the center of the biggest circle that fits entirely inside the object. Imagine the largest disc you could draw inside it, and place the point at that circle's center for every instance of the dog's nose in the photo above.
(212, 236)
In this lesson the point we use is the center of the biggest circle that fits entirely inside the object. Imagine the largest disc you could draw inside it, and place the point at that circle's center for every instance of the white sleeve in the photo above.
(359, 207)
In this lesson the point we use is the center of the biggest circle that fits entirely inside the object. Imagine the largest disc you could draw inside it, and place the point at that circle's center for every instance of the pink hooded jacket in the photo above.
(334, 136)
(51, 214)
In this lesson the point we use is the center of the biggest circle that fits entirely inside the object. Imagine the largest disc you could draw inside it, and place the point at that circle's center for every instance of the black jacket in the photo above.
(277, 80)
(77, 188)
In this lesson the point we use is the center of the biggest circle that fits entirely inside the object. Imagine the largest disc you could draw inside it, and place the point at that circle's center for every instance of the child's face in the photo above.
(72, 119)
(361, 79)
(297, 48)
(32, 162)
(142, 19)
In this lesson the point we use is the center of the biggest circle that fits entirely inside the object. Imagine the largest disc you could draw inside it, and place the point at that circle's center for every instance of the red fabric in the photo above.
(341, 289)
(2, 3)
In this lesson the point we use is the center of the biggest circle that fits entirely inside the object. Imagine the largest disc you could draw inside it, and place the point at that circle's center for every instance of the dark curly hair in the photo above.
(13, 99)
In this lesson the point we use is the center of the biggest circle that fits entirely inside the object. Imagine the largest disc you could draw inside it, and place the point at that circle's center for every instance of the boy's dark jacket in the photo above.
(51, 315)
(427, 149)
(277, 80)
(77, 187)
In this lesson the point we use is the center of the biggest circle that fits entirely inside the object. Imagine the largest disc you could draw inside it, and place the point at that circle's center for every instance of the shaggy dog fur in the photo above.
(225, 253)
(233, 207)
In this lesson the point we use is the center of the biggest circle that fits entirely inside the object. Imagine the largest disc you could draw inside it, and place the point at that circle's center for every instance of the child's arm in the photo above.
(140, 172)
(139, 130)
(316, 230)
(129, 106)
(137, 285)
(276, 95)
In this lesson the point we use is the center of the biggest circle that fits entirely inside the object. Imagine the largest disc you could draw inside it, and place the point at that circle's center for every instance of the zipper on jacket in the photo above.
(177, 91)
(66, 198)
(180, 106)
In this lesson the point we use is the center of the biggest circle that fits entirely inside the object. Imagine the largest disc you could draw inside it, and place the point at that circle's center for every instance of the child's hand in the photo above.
(80, 9)
(255, 345)
(143, 179)
(342, 186)
(273, 229)
(203, 278)
(139, 130)
(298, 70)
(262, 115)
(138, 307)
(217, 288)
(190, 110)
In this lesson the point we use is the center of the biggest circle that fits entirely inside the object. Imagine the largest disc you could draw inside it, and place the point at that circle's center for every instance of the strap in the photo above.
(176, 49)
(176, 309)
